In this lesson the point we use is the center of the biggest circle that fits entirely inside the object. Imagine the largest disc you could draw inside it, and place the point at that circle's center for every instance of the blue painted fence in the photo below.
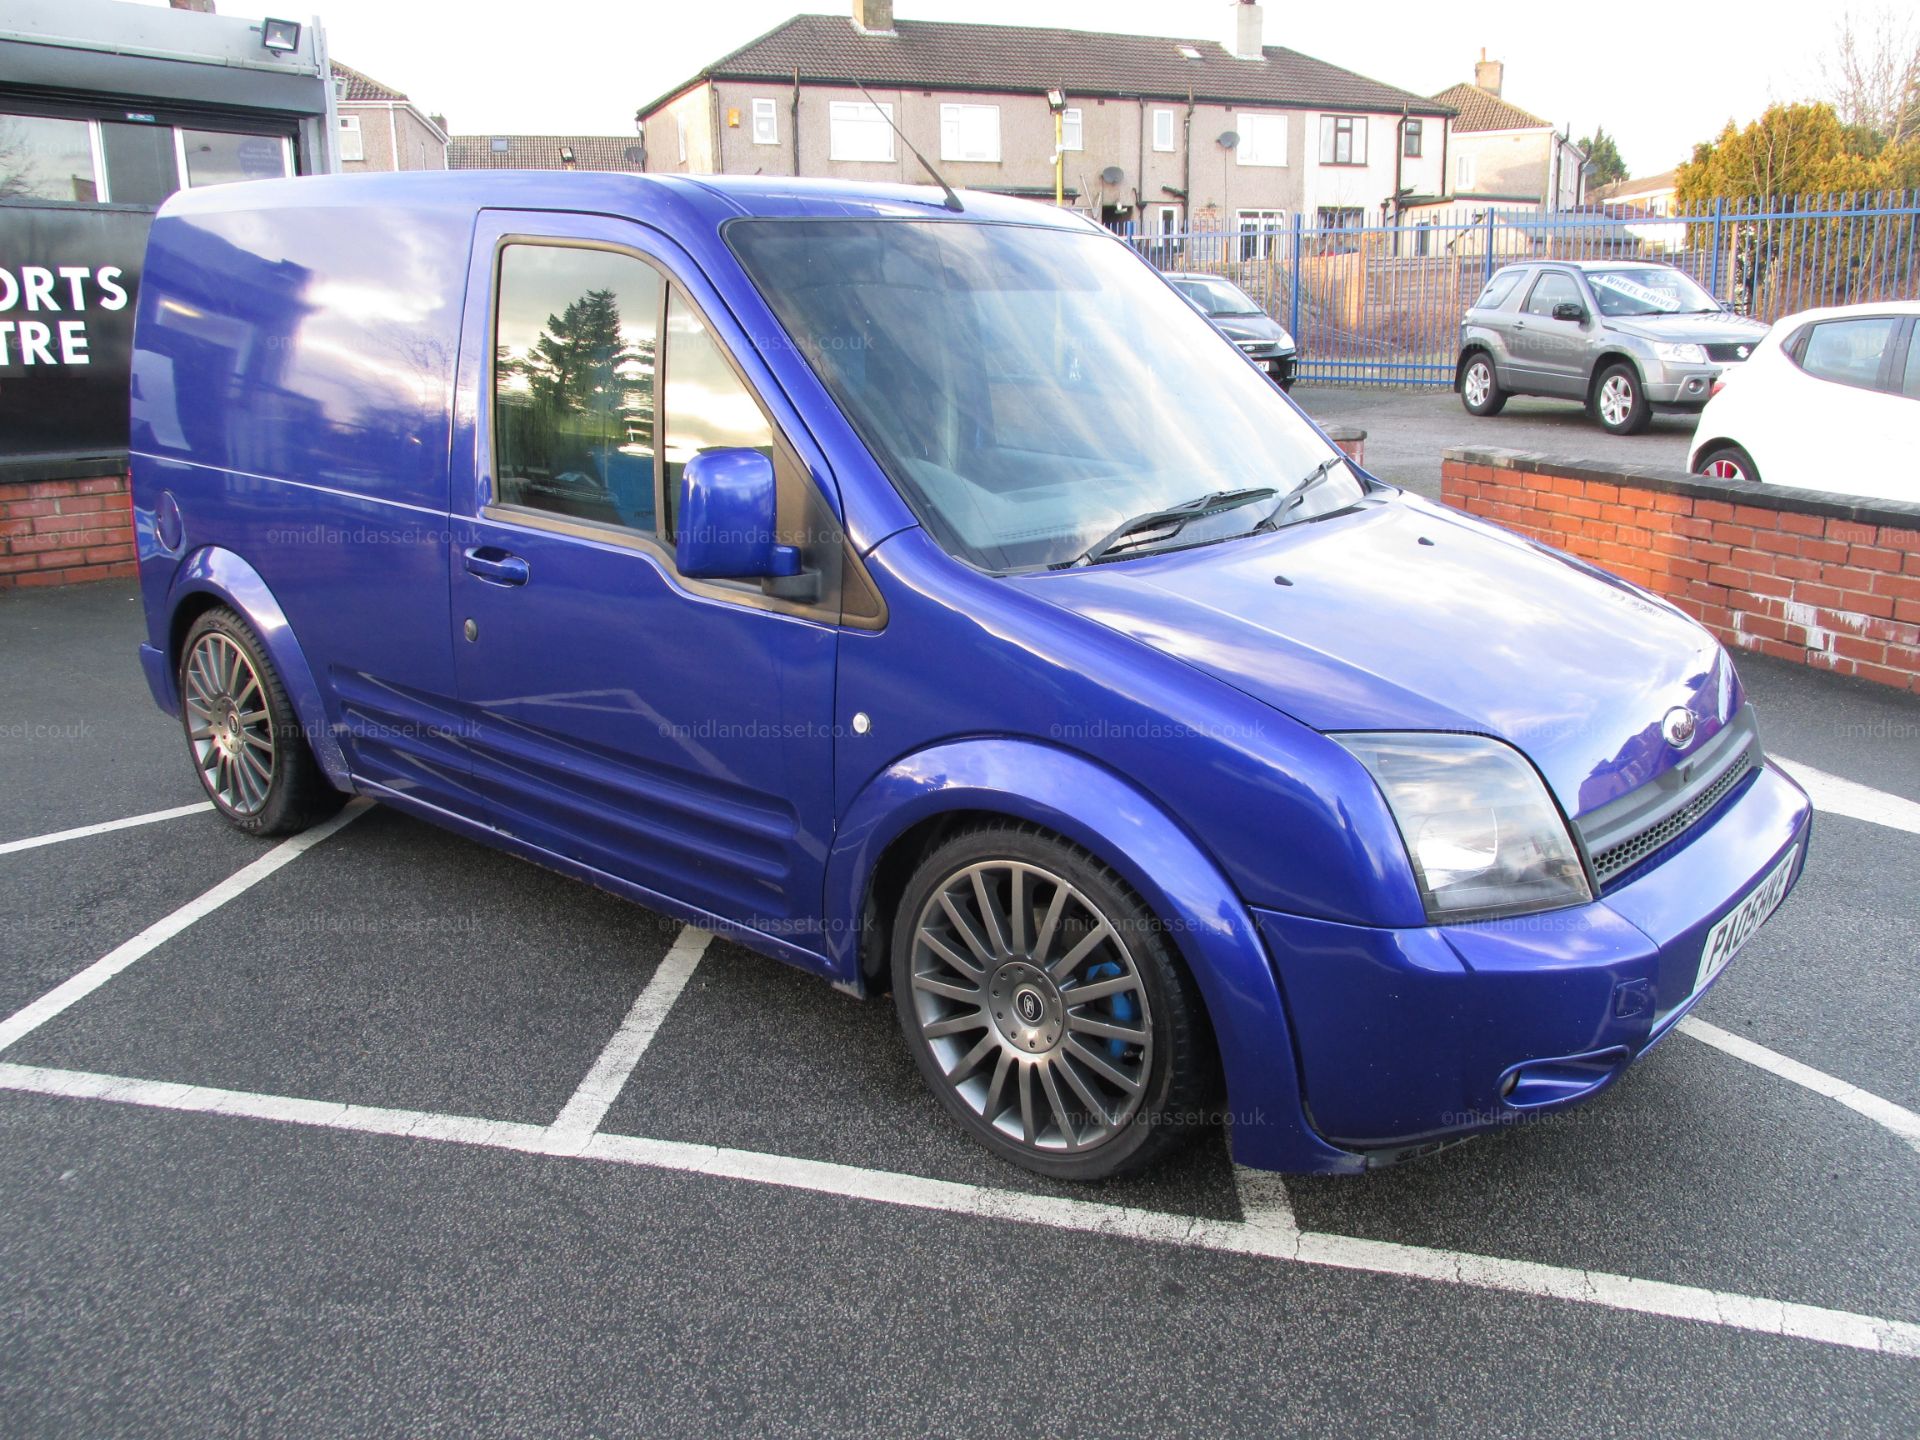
(1381, 304)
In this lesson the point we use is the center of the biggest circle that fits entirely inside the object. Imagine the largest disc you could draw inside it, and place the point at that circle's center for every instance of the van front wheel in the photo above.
(243, 735)
(1045, 1008)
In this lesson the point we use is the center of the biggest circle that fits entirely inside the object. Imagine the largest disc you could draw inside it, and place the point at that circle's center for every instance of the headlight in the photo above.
(1681, 354)
(1285, 342)
(1484, 836)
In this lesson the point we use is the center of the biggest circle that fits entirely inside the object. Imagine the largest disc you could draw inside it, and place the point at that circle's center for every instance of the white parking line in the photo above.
(1850, 798)
(1898, 1119)
(583, 1113)
(1263, 1236)
(78, 987)
(33, 842)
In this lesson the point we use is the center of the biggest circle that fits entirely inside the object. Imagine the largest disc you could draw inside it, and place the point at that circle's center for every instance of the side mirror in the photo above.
(725, 526)
(1570, 310)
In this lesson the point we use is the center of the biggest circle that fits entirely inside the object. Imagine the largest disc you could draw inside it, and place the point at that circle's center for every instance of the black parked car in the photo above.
(1262, 337)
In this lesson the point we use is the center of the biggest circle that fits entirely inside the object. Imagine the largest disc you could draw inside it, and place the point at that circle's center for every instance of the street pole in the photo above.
(1059, 159)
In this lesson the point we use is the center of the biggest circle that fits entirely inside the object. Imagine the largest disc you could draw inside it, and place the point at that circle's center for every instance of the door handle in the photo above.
(496, 566)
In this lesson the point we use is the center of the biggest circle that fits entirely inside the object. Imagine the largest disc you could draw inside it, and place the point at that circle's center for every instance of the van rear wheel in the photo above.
(1045, 1008)
(245, 740)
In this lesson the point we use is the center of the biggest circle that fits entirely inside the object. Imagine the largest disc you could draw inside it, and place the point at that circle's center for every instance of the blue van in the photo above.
(931, 599)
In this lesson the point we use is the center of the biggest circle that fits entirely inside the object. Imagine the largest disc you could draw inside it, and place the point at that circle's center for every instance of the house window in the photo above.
(576, 340)
(1070, 131)
(1413, 141)
(1262, 232)
(970, 132)
(1263, 139)
(1343, 139)
(1463, 172)
(859, 131)
(1163, 129)
(352, 147)
(1340, 229)
(46, 159)
(766, 123)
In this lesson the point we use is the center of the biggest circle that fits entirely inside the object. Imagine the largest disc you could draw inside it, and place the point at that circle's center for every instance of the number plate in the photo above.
(1737, 926)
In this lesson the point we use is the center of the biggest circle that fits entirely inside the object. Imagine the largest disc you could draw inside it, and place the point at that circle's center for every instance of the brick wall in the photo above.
(63, 532)
(1799, 574)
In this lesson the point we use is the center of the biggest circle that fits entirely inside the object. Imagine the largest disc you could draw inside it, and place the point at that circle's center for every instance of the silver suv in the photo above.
(1624, 337)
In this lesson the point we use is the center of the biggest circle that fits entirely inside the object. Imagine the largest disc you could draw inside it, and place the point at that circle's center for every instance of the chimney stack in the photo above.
(1487, 74)
(1249, 20)
(874, 17)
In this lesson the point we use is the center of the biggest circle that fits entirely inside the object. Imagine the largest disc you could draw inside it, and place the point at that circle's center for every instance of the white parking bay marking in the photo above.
(1852, 799)
(1901, 1121)
(24, 1021)
(1264, 1235)
(34, 842)
(582, 1115)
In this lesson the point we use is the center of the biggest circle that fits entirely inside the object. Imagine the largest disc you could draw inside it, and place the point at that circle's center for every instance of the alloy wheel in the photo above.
(1616, 399)
(1477, 384)
(1032, 1006)
(1725, 468)
(228, 724)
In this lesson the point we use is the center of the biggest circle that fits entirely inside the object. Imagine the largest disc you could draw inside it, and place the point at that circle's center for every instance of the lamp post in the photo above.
(1057, 103)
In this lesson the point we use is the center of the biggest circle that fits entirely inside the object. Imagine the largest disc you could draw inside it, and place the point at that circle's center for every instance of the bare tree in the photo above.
(1871, 75)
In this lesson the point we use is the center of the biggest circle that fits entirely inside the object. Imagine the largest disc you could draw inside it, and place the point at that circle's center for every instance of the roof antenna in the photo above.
(953, 200)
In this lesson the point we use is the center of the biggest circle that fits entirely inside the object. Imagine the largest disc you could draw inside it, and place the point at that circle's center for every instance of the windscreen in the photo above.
(1027, 389)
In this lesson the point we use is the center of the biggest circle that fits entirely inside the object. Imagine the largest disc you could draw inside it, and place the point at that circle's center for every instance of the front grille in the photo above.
(1735, 351)
(1616, 860)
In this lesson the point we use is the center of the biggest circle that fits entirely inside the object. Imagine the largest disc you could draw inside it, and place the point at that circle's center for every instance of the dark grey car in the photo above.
(1263, 339)
(1623, 337)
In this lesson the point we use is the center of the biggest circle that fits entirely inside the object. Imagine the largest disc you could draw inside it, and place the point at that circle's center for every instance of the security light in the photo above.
(1056, 99)
(280, 36)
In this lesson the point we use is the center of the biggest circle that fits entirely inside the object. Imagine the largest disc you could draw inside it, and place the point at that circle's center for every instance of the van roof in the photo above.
(712, 198)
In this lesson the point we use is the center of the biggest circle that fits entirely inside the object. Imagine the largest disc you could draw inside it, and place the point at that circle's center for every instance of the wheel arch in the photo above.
(920, 799)
(1604, 361)
(213, 576)
(1467, 352)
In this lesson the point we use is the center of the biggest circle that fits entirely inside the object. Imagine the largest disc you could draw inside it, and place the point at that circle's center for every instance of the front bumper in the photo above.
(1406, 1038)
(1681, 387)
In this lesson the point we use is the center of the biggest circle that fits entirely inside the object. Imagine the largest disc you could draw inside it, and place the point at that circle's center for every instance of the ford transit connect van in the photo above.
(932, 600)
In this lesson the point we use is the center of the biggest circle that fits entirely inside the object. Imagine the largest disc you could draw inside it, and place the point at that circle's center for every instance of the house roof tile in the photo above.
(1483, 110)
(362, 87)
(938, 54)
(543, 152)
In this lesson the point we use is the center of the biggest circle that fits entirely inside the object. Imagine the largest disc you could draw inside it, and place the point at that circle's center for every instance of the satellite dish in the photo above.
(1229, 139)
(1112, 175)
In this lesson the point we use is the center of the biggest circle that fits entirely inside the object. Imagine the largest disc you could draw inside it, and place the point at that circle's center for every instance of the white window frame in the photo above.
(1163, 122)
(1330, 140)
(955, 141)
(350, 126)
(1260, 232)
(1463, 171)
(1268, 136)
(766, 123)
(863, 114)
(1073, 134)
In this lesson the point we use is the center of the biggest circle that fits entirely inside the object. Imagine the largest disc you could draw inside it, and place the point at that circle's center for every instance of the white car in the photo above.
(1830, 400)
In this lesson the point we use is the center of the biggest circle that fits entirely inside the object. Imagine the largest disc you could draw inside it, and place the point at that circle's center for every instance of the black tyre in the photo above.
(246, 742)
(1727, 462)
(1045, 1007)
(1620, 401)
(1480, 390)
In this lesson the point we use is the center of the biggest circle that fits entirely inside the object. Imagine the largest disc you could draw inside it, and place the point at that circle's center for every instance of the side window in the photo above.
(1848, 352)
(575, 337)
(707, 406)
(1498, 290)
(1912, 385)
(1554, 287)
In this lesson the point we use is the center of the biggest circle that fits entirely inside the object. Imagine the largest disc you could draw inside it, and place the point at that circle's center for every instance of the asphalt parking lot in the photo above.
(1407, 429)
(379, 1131)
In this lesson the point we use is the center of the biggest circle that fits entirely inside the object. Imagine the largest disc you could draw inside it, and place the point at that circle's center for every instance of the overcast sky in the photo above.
(1659, 77)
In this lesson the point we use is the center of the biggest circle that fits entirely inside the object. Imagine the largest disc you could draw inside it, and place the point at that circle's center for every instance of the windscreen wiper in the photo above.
(1174, 516)
(1275, 517)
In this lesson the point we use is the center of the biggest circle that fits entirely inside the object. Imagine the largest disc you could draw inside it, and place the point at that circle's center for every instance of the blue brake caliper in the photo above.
(1121, 1009)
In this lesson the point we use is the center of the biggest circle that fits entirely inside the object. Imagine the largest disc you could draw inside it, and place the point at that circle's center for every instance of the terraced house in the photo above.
(1162, 135)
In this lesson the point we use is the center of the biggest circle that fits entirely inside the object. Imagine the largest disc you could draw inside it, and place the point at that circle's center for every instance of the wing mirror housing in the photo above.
(726, 528)
(1570, 310)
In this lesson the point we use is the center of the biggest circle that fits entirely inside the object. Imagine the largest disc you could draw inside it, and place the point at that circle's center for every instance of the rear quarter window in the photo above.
(1499, 289)
(1848, 352)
